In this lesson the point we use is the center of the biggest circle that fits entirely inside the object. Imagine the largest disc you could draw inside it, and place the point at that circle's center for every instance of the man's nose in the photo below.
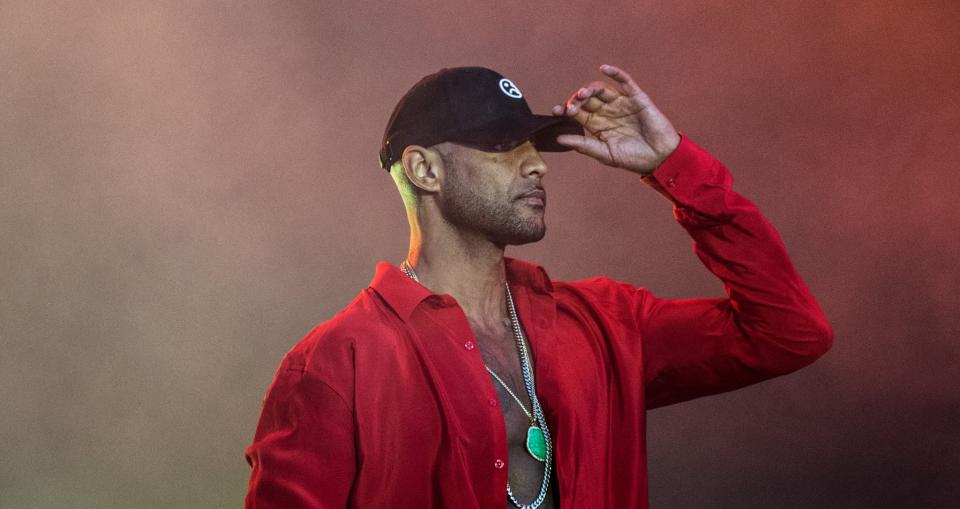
(532, 162)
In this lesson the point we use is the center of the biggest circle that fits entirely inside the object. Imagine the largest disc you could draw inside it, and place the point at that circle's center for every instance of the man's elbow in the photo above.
(826, 338)
(815, 340)
(821, 341)
(788, 349)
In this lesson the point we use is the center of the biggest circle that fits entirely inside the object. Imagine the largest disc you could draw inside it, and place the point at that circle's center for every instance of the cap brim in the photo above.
(545, 138)
(541, 129)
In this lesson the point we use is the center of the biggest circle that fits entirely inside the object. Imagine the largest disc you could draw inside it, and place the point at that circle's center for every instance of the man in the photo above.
(465, 379)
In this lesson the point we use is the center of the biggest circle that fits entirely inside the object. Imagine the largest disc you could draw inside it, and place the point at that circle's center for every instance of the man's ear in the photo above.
(424, 167)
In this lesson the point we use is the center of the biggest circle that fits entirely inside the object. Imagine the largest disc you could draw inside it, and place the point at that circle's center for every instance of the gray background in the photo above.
(188, 187)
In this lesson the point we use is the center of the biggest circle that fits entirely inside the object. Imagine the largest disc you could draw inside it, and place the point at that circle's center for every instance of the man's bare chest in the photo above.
(501, 355)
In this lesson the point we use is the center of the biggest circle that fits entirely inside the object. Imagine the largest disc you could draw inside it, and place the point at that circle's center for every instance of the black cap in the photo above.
(472, 105)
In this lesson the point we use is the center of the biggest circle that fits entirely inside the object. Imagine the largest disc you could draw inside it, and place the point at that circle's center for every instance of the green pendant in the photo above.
(536, 445)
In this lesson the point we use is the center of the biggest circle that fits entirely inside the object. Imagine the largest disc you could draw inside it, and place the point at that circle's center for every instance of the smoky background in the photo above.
(187, 188)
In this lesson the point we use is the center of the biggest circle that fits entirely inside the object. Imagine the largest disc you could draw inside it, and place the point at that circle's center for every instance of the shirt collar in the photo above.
(404, 294)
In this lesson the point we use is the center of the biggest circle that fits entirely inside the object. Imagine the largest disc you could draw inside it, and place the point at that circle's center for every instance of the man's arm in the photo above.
(770, 324)
(303, 454)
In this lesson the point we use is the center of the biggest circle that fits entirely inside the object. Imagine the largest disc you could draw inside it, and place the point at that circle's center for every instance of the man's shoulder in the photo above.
(601, 289)
(365, 318)
(604, 296)
(596, 288)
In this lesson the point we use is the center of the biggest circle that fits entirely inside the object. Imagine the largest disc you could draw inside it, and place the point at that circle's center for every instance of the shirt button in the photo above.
(672, 182)
(492, 401)
(498, 464)
(469, 345)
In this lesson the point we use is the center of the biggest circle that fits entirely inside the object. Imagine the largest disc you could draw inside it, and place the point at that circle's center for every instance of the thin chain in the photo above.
(531, 392)
(512, 395)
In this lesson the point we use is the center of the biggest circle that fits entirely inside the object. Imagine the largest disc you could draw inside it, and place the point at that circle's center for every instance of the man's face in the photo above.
(498, 194)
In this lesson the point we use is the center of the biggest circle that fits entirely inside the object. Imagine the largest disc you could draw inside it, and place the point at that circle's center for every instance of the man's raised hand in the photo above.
(625, 129)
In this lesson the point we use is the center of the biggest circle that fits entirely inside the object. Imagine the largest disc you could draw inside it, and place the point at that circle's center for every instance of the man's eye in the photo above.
(508, 146)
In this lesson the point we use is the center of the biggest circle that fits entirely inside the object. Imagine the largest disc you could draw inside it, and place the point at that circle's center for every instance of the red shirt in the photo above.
(388, 403)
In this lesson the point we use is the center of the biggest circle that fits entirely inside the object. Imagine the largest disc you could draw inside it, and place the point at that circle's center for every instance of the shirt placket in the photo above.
(473, 396)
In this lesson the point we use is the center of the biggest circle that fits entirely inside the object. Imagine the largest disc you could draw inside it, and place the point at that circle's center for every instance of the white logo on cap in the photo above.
(507, 87)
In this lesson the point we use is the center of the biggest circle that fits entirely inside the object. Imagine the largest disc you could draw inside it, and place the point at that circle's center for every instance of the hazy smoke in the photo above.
(188, 187)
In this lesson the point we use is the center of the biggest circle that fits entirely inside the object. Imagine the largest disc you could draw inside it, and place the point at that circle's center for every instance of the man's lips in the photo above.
(535, 196)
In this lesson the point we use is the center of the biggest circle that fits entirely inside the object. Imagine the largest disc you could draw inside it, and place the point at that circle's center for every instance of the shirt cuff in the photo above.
(682, 175)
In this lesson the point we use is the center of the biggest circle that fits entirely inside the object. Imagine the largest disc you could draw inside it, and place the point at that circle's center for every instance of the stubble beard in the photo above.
(501, 222)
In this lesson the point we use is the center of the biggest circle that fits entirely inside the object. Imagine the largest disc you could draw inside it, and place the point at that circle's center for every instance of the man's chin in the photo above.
(526, 237)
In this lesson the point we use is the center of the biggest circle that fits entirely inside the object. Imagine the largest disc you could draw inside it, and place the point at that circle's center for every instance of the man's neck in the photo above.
(468, 268)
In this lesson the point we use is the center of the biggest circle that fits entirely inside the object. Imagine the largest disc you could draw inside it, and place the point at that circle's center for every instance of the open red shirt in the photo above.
(388, 403)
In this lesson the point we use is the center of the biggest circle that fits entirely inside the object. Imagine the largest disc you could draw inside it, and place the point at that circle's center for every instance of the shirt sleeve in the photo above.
(303, 454)
(769, 325)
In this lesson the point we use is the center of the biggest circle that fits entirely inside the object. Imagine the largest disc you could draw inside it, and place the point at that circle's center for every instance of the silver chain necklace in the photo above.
(538, 436)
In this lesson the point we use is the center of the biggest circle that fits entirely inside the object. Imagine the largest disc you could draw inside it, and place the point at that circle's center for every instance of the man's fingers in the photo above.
(606, 95)
(600, 90)
(592, 104)
(624, 79)
(620, 76)
(588, 146)
(576, 100)
(594, 94)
